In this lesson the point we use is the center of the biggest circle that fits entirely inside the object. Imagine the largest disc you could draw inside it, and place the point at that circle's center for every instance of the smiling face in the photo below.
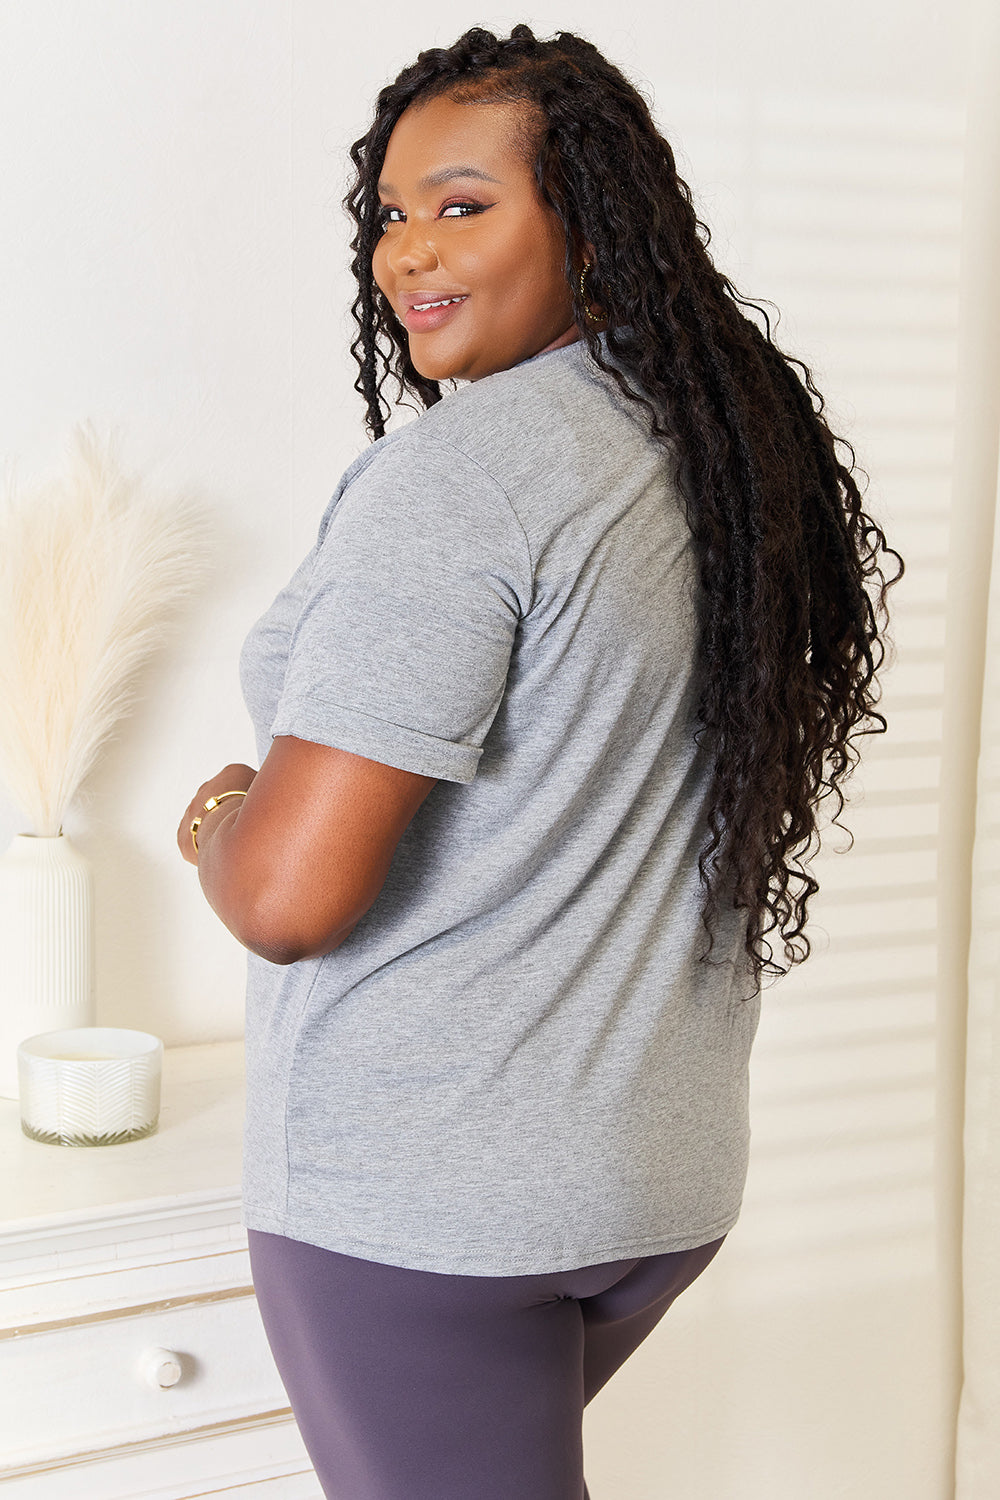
(472, 257)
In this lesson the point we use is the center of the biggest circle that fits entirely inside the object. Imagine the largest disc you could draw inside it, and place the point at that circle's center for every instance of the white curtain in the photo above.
(978, 1469)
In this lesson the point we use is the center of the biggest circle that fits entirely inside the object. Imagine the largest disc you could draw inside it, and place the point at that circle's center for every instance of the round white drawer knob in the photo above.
(160, 1368)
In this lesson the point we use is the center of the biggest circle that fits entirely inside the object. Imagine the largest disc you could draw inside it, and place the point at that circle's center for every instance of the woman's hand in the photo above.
(233, 778)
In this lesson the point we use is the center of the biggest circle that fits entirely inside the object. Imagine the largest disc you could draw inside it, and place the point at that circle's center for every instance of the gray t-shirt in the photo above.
(516, 1062)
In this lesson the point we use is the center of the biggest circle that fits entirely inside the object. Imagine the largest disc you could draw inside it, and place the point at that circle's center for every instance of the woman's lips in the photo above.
(423, 319)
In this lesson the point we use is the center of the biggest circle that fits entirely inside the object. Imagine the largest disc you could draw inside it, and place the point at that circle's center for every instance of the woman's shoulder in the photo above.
(518, 431)
(526, 416)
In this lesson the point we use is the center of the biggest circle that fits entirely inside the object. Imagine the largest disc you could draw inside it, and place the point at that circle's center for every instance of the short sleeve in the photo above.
(401, 649)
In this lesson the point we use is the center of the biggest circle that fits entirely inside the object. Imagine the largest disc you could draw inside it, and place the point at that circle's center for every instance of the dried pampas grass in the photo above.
(91, 568)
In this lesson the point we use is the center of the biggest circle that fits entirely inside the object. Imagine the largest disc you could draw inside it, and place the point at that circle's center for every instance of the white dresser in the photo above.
(133, 1362)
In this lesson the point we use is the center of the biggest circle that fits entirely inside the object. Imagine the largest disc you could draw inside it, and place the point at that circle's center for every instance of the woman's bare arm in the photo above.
(292, 867)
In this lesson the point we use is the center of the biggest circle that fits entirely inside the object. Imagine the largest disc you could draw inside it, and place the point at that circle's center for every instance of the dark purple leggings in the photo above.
(415, 1385)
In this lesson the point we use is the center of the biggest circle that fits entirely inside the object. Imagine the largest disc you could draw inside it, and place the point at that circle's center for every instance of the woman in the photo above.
(544, 719)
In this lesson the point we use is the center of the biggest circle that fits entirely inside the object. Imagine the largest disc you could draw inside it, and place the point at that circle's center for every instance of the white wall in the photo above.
(172, 262)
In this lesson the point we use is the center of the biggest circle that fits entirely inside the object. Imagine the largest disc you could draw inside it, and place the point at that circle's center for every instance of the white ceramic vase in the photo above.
(46, 945)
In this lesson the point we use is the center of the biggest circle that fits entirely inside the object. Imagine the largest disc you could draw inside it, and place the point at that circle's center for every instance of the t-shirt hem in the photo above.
(481, 1260)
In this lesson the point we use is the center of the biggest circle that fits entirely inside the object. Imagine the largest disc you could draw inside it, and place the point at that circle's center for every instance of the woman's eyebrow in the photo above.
(441, 176)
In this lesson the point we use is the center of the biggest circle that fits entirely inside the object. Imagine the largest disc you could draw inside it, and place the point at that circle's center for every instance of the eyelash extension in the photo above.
(470, 207)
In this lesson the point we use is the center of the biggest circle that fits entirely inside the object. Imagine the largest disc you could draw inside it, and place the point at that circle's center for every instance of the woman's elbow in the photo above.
(281, 920)
(283, 937)
(285, 951)
(273, 952)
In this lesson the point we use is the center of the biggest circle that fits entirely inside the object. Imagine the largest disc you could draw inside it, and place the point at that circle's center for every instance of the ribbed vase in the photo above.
(46, 945)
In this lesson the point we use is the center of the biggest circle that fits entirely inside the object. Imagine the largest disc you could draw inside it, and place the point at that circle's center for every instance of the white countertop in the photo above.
(194, 1155)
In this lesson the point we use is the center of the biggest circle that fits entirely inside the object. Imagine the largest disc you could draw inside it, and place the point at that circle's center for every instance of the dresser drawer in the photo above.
(258, 1459)
(84, 1387)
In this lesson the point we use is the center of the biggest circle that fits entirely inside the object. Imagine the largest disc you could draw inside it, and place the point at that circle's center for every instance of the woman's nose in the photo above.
(411, 250)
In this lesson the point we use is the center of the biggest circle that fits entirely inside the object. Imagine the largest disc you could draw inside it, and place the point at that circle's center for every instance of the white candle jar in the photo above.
(90, 1086)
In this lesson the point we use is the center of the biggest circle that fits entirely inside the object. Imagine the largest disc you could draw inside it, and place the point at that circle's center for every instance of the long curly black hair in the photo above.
(793, 586)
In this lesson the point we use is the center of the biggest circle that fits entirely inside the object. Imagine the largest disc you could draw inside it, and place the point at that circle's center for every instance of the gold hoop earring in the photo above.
(592, 317)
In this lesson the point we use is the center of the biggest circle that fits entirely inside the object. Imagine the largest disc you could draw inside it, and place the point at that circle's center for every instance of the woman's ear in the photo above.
(583, 254)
